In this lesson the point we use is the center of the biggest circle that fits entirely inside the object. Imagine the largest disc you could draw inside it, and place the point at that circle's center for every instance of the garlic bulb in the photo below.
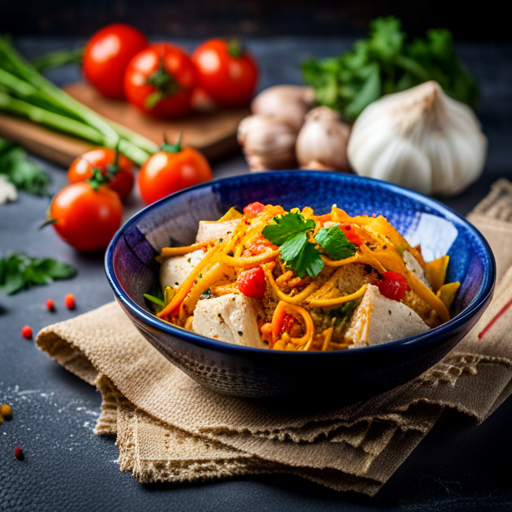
(421, 139)
(287, 103)
(267, 143)
(322, 141)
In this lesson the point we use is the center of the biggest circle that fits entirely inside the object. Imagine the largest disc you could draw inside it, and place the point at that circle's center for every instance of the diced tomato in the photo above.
(350, 233)
(393, 285)
(260, 245)
(289, 322)
(254, 209)
(252, 283)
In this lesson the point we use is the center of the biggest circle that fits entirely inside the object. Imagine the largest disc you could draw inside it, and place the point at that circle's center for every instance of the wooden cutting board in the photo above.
(213, 133)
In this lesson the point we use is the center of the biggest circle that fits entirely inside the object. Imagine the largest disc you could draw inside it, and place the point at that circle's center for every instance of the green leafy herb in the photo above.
(20, 171)
(289, 234)
(385, 63)
(19, 271)
(286, 226)
(335, 243)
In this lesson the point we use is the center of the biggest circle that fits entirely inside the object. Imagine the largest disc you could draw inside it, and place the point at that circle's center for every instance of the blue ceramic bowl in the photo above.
(260, 373)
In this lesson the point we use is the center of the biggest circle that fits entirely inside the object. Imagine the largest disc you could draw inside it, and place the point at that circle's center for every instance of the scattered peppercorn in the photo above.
(18, 453)
(26, 332)
(50, 305)
(69, 301)
(5, 411)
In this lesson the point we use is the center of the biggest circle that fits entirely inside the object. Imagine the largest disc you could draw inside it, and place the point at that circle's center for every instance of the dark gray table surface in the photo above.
(458, 466)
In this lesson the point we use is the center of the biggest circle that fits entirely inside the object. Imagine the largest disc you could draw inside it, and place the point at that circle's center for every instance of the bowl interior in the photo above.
(422, 220)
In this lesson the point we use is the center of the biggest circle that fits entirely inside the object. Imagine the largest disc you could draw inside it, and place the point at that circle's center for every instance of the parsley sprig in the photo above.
(19, 271)
(335, 243)
(387, 62)
(290, 233)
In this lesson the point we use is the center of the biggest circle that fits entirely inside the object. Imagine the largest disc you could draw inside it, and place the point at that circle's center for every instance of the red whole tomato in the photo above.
(172, 169)
(104, 159)
(160, 81)
(226, 71)
(107, 55)
(84, 217)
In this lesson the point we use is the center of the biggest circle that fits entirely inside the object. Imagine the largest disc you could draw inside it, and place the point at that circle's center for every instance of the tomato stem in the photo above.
(164, 83)
(172, 148)
(235, 47)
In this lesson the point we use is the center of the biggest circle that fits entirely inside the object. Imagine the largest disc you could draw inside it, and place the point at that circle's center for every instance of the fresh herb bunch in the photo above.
(386, 63)
(19, 271)
(21, 172)
(290, 233)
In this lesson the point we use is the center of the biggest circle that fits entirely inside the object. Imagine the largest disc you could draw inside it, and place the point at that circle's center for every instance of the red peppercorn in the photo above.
(18, 453)
(252, 283)
(393, 285)
(50, 305)
(69, 300)
(26, 332)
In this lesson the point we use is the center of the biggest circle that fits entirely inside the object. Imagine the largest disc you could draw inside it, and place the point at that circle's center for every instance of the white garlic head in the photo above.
(421, 139)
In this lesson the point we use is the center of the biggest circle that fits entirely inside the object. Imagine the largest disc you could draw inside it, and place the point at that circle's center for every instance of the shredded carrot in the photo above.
(277, 321)
(168, 252)
(296, 299)
(327, 334)
(251, 261)
(326, 303)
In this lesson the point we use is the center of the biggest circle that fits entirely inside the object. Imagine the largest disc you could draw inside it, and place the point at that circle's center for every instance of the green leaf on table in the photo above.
(21, 172)
(19, 271)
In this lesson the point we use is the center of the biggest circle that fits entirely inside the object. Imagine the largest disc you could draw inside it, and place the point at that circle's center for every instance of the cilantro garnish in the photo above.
(289, 233)
(335, 243)
(19, 271)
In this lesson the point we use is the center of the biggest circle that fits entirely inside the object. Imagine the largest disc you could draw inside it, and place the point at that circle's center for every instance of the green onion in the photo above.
(25, 92)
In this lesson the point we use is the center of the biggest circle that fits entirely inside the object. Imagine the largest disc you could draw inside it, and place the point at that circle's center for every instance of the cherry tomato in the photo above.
(107, 55)
(170, 170)
(227, 72)
(160, 80)
(351, 235)
(103, 158)
(393, 285)
(252, 283)
(253, 210)
(86, 218)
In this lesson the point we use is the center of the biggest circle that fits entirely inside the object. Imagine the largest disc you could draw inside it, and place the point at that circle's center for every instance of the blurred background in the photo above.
(252, 18)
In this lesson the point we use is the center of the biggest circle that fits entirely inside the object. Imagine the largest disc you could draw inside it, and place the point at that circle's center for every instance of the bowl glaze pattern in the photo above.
(259, 373)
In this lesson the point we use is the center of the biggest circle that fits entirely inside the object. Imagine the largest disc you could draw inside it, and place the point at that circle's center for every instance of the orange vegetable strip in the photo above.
(310, 326)
(277, 321)
(327, 338)
(186, 286)
(217, 272)
(326, 303)
(296, 299)
(179, 251)
(249, 262)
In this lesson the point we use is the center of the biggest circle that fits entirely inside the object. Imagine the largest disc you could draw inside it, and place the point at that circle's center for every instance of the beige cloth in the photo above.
(171, 429)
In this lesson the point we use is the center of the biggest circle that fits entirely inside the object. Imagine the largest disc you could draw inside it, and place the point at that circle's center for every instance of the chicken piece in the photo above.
(209, 231)
(173, 271)
(414, 266)
(355, 275)
(377, 320)
(231, 318)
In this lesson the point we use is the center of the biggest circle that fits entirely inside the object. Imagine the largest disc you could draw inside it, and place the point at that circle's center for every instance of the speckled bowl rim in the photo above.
(418, 340)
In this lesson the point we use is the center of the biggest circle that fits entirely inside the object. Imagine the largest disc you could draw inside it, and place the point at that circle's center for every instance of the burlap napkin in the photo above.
(171, 429)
